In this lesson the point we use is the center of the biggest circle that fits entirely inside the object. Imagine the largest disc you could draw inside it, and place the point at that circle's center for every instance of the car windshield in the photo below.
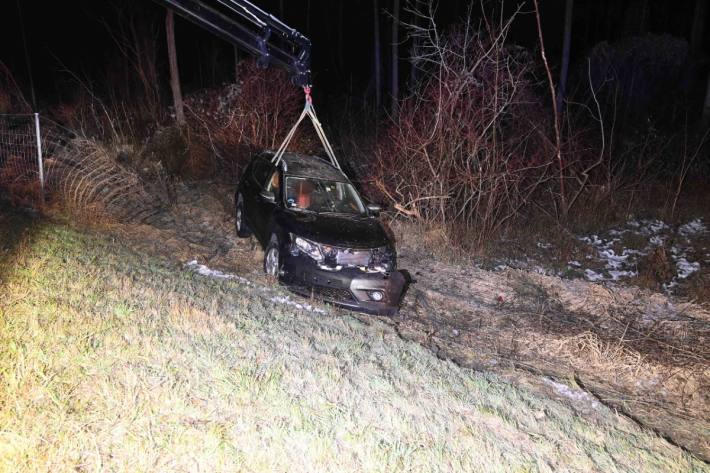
(322, 196)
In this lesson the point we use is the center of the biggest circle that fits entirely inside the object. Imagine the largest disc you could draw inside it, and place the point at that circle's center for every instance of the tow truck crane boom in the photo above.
(266, 37)
(247, 26)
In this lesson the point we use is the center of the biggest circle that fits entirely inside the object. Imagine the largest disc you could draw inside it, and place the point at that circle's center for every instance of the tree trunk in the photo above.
(414, 71)
(698, 30)
(635, 17)
(696, 48)
(378, 56)
(562, 86)
(308, 16)
(174, 75)
(395, 57)
(236, 65)
(341, 51)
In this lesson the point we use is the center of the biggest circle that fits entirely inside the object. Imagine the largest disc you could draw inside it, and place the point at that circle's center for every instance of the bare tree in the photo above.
(137, 41)
(377, 55)
(698, 28)
(558, 141)
(696, 46)
(236, 64)
(308, 16)
(462, 152)
(413, 51)
(174, 73)
(395, 57)
(562, 86)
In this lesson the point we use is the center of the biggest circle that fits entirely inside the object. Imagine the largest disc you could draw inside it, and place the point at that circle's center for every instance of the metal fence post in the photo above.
(39, 157)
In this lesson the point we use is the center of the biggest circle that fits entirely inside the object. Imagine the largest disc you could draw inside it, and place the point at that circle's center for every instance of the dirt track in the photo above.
(640, 352)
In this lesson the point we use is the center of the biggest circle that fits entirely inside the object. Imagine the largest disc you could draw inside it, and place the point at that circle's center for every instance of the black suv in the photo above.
(319, 237)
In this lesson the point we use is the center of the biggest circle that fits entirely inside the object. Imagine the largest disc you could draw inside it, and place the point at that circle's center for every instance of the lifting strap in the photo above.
(309, 111)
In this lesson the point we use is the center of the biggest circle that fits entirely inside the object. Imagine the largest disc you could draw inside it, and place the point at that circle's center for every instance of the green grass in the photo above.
(112, 360)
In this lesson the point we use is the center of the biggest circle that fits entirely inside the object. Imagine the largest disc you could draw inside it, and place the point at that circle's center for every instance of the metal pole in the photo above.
(39, 156)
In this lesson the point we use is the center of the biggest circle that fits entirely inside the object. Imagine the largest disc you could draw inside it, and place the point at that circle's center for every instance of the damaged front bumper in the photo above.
(372, 292)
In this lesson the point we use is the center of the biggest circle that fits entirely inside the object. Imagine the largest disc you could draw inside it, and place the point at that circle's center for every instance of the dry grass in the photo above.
(85, 180)
(112, 360)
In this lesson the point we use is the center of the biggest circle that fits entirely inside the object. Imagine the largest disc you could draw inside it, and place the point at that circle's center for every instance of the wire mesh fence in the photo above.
(21, 163)
(44, 165)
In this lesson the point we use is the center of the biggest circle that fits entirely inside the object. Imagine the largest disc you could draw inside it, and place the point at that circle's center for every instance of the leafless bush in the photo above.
(22, 188)
(86, 181)
(466, 148)
(136, 38)
(228, 124)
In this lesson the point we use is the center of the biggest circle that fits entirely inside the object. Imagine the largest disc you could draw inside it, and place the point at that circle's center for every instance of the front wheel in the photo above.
(272, 258)
(240, 222)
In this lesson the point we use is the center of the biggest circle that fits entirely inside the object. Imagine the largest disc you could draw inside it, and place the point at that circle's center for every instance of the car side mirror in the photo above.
(374, 209)
(268, 196)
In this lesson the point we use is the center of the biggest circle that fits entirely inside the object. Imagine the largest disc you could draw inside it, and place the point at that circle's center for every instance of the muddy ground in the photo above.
(643, 353)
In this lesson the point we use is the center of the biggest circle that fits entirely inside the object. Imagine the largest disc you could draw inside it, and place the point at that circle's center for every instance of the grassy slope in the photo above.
(114, 360)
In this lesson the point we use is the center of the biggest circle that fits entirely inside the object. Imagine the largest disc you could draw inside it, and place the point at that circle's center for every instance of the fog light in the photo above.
(377, 296)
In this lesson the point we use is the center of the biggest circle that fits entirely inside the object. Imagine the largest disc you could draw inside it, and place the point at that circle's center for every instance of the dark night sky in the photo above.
(75, 35)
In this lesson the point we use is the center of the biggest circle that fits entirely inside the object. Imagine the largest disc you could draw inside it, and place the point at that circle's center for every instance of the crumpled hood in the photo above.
(336, 230)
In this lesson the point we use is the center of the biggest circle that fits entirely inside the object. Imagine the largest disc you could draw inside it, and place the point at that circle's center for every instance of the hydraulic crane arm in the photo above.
(247, 26)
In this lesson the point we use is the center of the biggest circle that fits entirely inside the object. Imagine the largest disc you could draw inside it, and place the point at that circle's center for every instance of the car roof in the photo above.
(303, 165)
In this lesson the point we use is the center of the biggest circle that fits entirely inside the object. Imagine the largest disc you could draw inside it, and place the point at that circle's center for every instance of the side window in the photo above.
(274, 184)
(261, 171)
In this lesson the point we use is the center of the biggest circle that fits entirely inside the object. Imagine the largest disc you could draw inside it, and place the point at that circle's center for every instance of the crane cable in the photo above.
(309, 111)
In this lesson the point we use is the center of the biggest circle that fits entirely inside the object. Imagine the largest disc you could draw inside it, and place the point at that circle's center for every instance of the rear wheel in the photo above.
(243, 230)
(272, 258)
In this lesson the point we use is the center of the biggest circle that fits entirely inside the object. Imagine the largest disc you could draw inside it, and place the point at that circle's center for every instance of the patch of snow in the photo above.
(286, 300)
(618, 274)
(592, 275)
(613, 261)
(574, 263)
(216, 274)
(686, 268)
(657, 240)
(694, 227)
(593, 240)
(576, 395)
(648, 227)
(544, 246)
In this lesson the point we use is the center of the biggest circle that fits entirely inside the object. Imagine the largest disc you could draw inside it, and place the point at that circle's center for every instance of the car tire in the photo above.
(272, 258)
(240, 222)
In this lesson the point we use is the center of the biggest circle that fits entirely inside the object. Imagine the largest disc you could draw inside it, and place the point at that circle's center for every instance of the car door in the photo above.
(261, 208)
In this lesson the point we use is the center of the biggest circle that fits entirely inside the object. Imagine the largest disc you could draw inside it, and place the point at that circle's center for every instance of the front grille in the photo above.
(332, 293)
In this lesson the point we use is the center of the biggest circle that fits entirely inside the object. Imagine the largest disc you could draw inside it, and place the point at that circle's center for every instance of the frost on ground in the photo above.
(270, 293)
(609, 338)
(116, 360)
(213, 273)
(617, 253)
(577, 396)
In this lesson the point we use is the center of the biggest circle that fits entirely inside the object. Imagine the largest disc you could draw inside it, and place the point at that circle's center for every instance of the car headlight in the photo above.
(308, 247)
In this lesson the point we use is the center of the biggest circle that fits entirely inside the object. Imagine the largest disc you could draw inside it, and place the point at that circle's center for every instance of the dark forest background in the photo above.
(470, 129)
(81, 37)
